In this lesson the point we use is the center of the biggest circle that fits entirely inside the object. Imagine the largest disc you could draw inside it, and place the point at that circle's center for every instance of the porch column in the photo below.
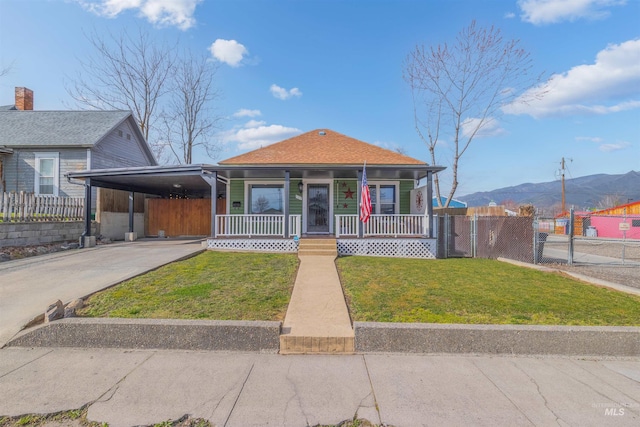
(359, 195)
(430, 202)
(287, 182)
(211, 177)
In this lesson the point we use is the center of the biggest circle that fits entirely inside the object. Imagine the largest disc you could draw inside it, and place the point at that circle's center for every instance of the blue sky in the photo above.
(292, 66)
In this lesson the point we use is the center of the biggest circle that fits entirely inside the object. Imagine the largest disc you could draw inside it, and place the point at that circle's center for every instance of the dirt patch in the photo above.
(9, 253)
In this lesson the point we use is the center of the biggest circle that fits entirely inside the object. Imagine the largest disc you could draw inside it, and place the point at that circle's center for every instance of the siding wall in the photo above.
(116, 151)
(405, 196)
(236, 194)
(342, 204)
(19, 170)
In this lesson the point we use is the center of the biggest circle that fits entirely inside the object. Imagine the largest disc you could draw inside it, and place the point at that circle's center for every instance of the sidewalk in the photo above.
(127, 388)
(29, 285)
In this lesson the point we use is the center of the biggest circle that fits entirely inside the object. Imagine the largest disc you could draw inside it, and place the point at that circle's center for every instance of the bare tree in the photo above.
(261, 205)
(458, 90)
(610, 201)
(189, 120)
(126, 72)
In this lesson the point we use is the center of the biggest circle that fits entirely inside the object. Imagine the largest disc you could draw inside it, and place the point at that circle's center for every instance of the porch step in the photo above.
(294, 344)
(321, 247)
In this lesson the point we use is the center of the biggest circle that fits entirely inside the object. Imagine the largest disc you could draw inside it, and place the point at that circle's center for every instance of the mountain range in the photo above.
(587, 192)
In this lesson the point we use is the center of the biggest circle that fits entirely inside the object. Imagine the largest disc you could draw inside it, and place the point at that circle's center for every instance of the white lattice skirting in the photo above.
(398, 248)
(258, 245)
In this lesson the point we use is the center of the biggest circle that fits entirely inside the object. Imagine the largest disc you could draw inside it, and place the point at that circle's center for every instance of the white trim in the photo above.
(329, 182)
(88, 158)
(56, 170)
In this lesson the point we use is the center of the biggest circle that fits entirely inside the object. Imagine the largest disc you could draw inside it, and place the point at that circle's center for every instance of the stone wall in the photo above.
(38, 233)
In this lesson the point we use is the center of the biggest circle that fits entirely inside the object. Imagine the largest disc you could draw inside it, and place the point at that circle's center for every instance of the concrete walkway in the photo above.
(127, 387)
(317, 319)
(29, 285)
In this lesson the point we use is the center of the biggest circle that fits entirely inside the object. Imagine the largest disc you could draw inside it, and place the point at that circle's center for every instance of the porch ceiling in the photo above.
(189, 179)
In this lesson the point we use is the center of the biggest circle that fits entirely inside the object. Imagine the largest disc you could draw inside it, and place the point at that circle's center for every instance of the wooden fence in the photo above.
(26, 207)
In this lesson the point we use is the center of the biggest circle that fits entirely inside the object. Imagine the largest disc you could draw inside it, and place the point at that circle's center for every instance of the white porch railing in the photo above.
(256, 225)
(23, 207)
(382, 225)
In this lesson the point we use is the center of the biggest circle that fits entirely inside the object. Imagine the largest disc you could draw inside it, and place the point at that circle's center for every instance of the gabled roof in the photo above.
(321, 147)
(58, 128)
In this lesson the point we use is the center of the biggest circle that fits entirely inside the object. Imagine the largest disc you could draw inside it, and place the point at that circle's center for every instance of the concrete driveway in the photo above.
(29, 285)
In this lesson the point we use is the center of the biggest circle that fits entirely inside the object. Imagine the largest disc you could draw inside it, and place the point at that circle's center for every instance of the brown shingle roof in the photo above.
(315, 148)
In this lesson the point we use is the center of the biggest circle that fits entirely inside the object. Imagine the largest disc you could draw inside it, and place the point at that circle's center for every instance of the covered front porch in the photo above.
(272, 207)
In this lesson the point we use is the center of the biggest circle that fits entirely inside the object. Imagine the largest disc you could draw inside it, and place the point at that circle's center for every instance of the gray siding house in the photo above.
(37, 148)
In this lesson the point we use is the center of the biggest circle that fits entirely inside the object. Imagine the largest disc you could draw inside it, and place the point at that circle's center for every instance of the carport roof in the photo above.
(163, 180)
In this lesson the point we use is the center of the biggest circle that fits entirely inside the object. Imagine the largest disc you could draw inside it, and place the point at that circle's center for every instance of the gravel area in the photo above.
(624, 274)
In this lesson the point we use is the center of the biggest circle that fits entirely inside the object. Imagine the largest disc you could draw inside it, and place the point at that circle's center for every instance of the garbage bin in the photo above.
(592, 232)
(542, 238)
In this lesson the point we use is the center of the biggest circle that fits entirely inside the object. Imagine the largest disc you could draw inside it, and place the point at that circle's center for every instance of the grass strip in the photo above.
(212, 285)
(477, 291)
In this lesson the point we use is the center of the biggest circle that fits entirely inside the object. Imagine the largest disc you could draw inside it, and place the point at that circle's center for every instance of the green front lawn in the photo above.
(476, 291)
(212, 285)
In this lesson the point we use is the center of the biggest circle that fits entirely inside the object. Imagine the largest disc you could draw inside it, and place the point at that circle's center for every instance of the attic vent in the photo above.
(323, 133)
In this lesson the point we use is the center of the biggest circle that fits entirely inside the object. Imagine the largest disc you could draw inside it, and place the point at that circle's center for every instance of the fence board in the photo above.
(25, 207)
(178, 217)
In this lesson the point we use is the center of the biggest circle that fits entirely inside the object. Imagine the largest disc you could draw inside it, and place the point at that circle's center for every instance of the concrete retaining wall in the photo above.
(38, 233)
(497, 339)
(115, 224)
(220, 335)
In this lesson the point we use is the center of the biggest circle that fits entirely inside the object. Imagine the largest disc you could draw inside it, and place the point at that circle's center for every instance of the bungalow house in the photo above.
(303, 187)
(37, 148)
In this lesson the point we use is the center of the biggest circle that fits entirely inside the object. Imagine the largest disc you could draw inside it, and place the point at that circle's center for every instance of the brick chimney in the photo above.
(24, 98)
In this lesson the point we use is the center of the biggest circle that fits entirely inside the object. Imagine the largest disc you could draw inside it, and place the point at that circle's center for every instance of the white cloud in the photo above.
(244, 112)
(509, 15)
(254, 123)
(256, 134)
(602, 146)
(589, 138)
(607, 86)
(228, 51)
(539, 12)
(490, 127)
(282, 93)
(607, 148)
(169, 13)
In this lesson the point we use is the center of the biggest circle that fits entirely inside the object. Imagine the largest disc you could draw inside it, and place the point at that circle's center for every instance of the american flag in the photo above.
(365, 197)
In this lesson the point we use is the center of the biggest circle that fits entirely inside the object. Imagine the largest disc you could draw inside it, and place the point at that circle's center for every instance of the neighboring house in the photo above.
(618, 222)
(306, 185)
(37, 148)
(455, 203)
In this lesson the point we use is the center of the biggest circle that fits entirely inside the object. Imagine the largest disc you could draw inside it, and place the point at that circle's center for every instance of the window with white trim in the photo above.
(266, 199)
(47, 172)
(384, 198)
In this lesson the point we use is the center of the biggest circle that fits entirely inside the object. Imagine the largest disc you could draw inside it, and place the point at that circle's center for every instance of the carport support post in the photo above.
(287, 182)
(430, 202)
(131, 235)
(87, 240)
(211, 178)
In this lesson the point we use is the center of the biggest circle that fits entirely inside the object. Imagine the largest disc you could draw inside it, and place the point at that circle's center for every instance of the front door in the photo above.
(317, 208)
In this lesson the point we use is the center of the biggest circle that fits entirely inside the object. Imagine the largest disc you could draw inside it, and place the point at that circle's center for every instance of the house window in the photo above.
(266, 199)
(384, 199)
(47, 168)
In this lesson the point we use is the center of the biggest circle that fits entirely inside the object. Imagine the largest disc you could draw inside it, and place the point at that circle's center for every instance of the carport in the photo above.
(166, 182)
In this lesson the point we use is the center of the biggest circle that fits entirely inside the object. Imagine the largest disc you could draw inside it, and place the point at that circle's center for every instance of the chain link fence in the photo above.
(486, 237)
(589, 240)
